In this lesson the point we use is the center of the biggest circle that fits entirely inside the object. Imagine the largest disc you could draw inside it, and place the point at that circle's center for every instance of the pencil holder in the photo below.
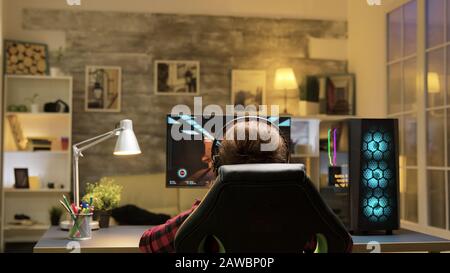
(81, 229)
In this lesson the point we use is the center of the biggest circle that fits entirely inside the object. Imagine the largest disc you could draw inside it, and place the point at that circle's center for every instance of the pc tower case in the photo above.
(373, 175)
(360, 173)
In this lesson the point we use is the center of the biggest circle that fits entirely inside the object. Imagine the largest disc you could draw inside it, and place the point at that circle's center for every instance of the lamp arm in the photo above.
(77, 153)
(97, 137)
(94, 141)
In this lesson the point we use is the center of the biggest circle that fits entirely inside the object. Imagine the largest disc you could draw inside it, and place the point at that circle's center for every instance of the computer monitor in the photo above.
(188, 160)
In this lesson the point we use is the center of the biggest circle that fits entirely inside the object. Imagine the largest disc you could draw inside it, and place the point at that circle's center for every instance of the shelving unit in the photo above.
(323, 117)
(311, 130)
(36, 227)
(50, 166)
(37, 152)
(28, 191)
(305, 149)
(37, 114)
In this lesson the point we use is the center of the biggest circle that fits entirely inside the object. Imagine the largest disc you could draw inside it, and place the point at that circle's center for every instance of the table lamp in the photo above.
(434, 85)
(126, 145)
(285, 80)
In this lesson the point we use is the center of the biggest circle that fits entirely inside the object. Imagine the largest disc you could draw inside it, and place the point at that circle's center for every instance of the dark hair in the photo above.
(249, 150)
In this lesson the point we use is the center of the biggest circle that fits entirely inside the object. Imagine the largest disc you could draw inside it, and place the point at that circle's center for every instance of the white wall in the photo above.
(366, 54)
(366, 51)
(314, 9)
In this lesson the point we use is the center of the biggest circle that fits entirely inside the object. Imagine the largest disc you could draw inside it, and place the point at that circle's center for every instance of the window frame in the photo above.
(422, 109)
(402, 114)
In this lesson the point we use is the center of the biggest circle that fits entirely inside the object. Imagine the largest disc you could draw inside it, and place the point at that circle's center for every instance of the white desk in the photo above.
(115, 239)
(125, 239)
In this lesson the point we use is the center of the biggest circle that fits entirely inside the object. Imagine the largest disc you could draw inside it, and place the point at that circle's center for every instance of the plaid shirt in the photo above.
(160, 239)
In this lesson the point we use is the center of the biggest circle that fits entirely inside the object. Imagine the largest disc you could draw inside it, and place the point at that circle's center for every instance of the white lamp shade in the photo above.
(434, 85)
(127, 143)
(285, 79)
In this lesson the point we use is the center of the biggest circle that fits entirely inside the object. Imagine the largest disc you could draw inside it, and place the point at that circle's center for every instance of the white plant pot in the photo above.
(56, 72)
(34, 108)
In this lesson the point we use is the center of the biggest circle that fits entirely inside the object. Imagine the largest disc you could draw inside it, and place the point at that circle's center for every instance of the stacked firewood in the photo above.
(26, 58)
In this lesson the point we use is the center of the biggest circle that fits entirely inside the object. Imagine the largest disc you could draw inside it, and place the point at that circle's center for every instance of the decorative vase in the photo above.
(103, 218)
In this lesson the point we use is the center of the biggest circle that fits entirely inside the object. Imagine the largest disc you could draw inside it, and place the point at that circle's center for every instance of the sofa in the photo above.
(148, 191)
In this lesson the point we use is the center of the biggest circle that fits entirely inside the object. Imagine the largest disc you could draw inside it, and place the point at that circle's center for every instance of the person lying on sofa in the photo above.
(160, 239)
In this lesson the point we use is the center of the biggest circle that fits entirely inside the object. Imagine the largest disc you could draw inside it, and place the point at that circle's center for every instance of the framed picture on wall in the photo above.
(336, 94)
(177, 77)
(248, 87)
(103, 91)
(21, 178)
(25, 58)
(340, 94)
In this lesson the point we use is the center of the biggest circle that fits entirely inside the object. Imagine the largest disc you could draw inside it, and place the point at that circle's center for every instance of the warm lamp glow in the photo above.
(434, 85)
(285, 79)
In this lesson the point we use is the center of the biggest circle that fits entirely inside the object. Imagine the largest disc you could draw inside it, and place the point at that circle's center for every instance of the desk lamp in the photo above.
(126, 145)
(284, 80)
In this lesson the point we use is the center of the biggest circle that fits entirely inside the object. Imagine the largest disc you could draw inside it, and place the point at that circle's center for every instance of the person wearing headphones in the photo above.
(247, 141)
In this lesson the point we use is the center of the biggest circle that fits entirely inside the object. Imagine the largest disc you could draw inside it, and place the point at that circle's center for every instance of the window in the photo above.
(437, 110)
(430, 53)
(402, 101)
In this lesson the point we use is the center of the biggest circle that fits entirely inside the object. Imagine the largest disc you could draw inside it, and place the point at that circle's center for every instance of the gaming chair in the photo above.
(262, 208)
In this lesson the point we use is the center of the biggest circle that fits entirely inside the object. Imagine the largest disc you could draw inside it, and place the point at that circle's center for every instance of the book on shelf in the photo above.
(40, 144)
(16, 129)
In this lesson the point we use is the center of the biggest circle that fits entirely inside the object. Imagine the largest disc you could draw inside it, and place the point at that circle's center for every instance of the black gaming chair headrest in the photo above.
(262, 208)
(261, 173)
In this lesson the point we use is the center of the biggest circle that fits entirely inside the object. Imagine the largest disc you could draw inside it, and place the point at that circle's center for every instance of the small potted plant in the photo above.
(33, 104)
(55, 71)
(105, 196)
(55, 215)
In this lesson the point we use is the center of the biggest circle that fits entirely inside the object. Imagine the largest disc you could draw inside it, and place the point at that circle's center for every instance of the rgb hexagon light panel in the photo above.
(377, 175)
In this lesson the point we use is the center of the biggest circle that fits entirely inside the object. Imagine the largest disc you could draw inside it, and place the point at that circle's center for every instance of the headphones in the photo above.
(217, 143)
